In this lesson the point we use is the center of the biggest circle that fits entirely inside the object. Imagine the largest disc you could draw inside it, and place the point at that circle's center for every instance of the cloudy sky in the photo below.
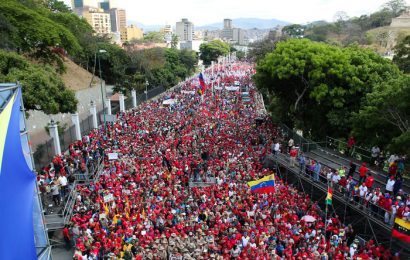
(202, 12)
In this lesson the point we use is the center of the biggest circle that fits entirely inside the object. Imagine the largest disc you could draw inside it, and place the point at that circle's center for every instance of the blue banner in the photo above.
(17, 183)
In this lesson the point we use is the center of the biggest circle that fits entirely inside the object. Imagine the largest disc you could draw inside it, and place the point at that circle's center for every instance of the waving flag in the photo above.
(202, 83)
(264, 185)
(401, 230)
(17, 184)
(329, 196)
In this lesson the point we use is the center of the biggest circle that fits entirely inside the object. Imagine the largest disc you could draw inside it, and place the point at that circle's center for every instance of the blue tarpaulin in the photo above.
(17, 183)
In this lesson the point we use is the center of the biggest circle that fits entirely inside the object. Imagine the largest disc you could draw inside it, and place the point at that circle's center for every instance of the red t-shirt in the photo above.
(363, 171)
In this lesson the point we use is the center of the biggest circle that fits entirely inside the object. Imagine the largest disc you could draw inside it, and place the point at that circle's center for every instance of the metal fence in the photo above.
(44, 153)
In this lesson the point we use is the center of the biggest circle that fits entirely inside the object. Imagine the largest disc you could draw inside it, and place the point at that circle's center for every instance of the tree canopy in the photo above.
(325, 89)
(158, 66)
(402, 54)
(212, 50)
(42, 87)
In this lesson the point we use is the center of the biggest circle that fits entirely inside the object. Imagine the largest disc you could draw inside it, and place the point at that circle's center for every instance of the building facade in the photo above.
(83, 3)
(402, 21)
(131, 32)
(184, 30)
(118, 19)
(227, 31)
(98, 19)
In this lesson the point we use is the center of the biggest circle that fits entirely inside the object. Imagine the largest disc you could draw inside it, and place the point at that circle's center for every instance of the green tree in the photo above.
(36, 34)
(43, 88)
(212, 50)
(320, 84)
(259, 49)
(240, 55)
(383, 117)
(155, 37)
(402, 54)
(396, 6)
(174, 41)
(294, 30)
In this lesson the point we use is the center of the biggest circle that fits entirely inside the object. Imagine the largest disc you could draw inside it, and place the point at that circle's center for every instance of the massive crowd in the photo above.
(143, 207)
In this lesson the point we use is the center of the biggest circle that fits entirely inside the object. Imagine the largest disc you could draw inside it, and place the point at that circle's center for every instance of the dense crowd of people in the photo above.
(147, 204)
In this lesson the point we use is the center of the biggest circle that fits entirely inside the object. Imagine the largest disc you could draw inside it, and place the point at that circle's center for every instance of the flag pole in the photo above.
(326, 202)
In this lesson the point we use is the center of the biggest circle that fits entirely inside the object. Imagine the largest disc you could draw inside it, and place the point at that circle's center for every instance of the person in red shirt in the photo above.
(362, 172)
(293, 153)
(350, 144)
(369, 181)
(67, 237)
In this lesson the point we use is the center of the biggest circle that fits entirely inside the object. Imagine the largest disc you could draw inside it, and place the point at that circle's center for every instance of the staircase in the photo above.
(62, 216)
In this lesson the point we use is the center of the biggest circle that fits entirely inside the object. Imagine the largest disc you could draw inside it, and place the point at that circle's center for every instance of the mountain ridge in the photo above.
(243, 23)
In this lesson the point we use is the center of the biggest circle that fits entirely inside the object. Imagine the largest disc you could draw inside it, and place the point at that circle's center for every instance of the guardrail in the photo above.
(93, 177)
(377, 212)
(60, 219)
(357, 152)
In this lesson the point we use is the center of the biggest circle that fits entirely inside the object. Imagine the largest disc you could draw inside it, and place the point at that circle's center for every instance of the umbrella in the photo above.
(308, 218)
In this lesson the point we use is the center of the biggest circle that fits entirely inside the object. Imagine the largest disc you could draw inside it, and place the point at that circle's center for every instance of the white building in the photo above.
(190, 45)
(184, 30)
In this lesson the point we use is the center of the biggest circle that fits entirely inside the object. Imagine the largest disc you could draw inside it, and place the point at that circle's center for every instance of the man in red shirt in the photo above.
(67, 237)
(362, 172)
(369, 181)
(293, 153)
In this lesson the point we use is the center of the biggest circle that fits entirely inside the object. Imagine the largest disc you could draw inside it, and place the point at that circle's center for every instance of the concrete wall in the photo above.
(37, 120)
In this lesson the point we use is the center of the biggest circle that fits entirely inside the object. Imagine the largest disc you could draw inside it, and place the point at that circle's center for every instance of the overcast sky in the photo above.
(202, 12)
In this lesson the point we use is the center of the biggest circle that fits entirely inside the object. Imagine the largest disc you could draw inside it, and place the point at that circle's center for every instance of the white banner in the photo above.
(232, 88)
(113, 156)
(108, 198)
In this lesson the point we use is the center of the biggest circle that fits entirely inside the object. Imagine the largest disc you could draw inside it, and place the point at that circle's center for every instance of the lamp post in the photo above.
(102, 93)
(146, 90)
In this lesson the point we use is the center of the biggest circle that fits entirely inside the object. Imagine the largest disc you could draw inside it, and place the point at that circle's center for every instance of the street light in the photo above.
(146, 90)
(101, 87)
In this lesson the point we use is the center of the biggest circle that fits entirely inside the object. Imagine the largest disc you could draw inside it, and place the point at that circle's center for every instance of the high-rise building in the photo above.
(227, 31)
(167, 30)
(106, 5)
(98, 19)
(184, 30)
(131, 32)
(83, 3)
(118, 19)
(238, 36)
(227, 23)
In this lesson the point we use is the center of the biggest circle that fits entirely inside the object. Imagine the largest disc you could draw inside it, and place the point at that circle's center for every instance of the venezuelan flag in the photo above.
(264, 185)
(401, 230)
(202, 83)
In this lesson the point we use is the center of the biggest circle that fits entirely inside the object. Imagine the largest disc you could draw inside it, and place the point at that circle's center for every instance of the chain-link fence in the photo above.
(45, 152)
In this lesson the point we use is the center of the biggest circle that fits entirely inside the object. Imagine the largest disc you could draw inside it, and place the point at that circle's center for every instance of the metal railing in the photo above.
(367, 207)
(66, 212)
(341, 146)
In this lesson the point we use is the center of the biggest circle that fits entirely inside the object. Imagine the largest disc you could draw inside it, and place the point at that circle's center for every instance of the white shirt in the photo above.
(389, 185)
(363, 190)
(62, 180)
(335, 178)
(276, 147)
(55, 190)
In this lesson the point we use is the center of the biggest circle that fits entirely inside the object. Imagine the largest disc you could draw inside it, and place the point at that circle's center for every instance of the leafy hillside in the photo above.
(38, 35)
(367, 30)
